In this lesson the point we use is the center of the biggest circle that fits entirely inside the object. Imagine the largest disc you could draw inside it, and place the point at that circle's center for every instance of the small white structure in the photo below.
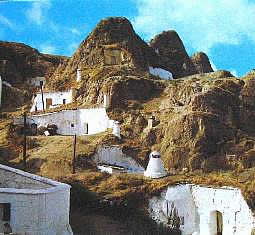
(36, 81)
(116, 129)
(113, 156)
(51, 100)
(162, 73)
(111, 169)
(106, 101)
(79, 122)
(32, 204)
(78, 75)
(0, 91)
(155, 168)
(203, 210)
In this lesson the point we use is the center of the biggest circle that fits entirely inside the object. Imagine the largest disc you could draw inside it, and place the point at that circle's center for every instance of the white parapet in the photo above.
(155, 168)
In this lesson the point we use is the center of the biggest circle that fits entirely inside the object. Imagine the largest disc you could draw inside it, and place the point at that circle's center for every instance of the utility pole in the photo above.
(25, 143)
(74, 152)
(41, 86)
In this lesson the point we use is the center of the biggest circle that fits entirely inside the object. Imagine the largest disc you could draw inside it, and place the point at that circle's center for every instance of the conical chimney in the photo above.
(155, 168)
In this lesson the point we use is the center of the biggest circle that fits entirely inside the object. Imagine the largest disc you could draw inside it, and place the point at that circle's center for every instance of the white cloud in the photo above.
(6, 22)
(38, 12)
(213, 66)
(234, 72)
(201, 24)
(47, 48)
(75, 31)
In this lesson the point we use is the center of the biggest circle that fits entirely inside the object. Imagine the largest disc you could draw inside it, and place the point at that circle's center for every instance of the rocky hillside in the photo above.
(202, 121)
(113, 55)
(19, 61)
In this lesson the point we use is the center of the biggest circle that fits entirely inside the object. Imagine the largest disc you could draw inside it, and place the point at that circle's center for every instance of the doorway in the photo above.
(48, 103)
(217, 223)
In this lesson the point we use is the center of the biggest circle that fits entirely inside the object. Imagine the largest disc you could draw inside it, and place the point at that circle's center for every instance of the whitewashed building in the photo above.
(32, 204)
(202, 210)
(162, 73)
(50, 100)
(79, 122)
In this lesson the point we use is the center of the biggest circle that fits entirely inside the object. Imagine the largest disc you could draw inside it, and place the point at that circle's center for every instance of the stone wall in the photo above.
(193, 209)
(113, 56)
(35, 81)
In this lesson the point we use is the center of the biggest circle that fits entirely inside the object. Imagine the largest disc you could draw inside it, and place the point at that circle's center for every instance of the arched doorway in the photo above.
(217, 223)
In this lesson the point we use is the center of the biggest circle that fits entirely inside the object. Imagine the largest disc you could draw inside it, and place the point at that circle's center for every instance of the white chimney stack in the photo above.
(78, 77)
(116, 129)
(155, 168)
(106, 101)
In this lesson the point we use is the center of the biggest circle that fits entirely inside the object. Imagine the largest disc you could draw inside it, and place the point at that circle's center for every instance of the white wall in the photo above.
(162, 73)
(36, 81)
(113, 155)
(97, 121)
(197, 205)
(57, 99)
(38, 212)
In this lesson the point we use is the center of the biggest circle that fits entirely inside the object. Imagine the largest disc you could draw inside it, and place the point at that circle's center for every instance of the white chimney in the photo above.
(0, 91)
(155, 168)
(116, 129)
(78, 75)
(106, 101)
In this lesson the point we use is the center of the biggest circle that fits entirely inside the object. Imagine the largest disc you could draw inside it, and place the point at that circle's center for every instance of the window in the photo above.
(5, 211)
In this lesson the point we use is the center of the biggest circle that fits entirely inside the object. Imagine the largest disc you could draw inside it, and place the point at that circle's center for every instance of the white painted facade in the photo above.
(37, 205)
(0, 91)
(113, 155)
(79, 122)
(35, 82)
(155, 168)
(57, 98)
(162, 73)
(197, 206)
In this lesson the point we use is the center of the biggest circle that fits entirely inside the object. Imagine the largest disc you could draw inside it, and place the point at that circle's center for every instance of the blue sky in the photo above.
(223, 29)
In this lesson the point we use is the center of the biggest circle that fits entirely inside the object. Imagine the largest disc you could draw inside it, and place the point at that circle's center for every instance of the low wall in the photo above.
(113, 155)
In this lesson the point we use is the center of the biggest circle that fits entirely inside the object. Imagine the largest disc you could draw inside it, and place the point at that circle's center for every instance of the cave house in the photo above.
(203, 210)
(30, 204)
